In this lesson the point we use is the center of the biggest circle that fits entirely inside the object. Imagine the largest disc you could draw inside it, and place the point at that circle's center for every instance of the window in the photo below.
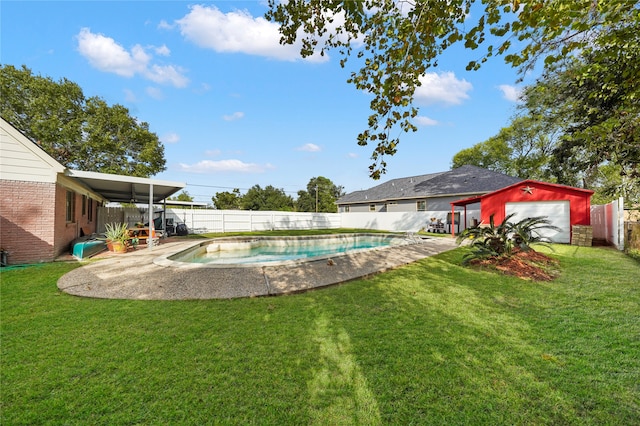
(346, 209)
(372, 207)
(71, 206)
(90, 210)
(84, 205)
(421, 206)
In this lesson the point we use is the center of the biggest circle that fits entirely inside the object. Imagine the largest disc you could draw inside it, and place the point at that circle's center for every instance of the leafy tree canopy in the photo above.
(398, 41)
(575, 130)
(522, 149)
(80, 133)
(320, 196)
(183, 196)
(227, 200)
(267, 198)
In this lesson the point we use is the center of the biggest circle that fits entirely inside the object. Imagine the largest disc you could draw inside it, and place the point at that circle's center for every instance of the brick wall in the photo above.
(65, 232)
(34, 225)
(26, 228)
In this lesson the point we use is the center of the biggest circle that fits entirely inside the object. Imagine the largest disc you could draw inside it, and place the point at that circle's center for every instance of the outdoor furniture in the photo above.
(437, 227)
(169, 226)
(456, 222)
(142, 234)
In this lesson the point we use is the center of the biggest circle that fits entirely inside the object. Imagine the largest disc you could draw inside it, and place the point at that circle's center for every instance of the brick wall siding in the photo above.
(33, 227)
(26, 229)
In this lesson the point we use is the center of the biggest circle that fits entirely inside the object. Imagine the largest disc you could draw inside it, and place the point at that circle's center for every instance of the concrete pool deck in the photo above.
(135, 276)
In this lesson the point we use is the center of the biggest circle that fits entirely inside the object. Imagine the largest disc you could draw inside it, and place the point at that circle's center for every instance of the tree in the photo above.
(595, 98)
(80, 133)
(401, 40)
(227, 200)
(320, 196)
(522, 149)
(183, 196)
(269, 198)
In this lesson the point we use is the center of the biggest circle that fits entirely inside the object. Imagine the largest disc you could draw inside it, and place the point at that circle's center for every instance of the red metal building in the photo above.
(563, 205)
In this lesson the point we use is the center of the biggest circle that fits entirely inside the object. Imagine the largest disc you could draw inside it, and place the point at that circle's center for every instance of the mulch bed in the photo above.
(528, 265)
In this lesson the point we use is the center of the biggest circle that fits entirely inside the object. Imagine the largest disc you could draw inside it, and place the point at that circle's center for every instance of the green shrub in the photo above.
(493, 241)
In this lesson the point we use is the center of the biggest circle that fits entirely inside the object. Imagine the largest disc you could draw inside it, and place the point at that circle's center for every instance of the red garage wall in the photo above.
(530, 190)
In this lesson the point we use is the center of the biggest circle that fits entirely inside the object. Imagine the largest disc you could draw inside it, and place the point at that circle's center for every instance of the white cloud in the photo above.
(167, 74)
(352, 155)
(162, 50)
(237, 32)
(208, 166)
(212, 152)
(233, 117)
(170, 138)
(443, 88)
(164, 25)
(309, 147)
(510, 93)
(425, 121)
(105, 54)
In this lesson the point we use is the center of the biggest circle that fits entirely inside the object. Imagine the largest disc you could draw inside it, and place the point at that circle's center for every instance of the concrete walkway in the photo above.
(135, 275)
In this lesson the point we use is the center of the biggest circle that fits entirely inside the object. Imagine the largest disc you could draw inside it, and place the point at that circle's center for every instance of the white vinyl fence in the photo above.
(200, 221)
(607, 221)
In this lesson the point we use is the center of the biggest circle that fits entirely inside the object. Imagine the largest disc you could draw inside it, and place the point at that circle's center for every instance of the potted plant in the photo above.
(117, 236)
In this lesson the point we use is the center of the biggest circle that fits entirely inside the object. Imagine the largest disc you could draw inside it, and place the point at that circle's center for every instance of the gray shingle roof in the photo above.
(463, 180)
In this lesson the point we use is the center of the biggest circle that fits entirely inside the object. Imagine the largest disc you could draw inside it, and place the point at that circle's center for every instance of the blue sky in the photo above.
(232, 107)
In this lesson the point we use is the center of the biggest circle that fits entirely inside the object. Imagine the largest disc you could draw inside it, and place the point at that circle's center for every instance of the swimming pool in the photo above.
(272, 251)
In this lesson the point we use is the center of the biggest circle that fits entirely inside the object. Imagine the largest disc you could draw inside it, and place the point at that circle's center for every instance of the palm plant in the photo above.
(527, 232)
(493, 241)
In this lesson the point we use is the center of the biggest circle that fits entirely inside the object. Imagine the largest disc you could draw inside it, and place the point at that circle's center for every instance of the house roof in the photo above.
(465, 180)
(476, 199)
(126, 189)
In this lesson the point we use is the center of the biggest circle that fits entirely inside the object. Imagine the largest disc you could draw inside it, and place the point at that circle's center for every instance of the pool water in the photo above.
(274, 250)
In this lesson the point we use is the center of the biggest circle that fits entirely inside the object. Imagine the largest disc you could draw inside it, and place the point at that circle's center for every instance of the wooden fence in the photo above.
(632, 235)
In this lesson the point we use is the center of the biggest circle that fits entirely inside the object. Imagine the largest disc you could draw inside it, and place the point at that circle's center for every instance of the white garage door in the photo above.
(557, 212)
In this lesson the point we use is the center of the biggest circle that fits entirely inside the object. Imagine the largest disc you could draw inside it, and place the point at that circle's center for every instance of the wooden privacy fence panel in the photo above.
(632, 235)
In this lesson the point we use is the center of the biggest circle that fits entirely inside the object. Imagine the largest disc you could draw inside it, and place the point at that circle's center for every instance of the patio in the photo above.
(134, 275)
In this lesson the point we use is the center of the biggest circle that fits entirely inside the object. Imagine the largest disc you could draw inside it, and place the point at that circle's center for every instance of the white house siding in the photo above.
(22, 160)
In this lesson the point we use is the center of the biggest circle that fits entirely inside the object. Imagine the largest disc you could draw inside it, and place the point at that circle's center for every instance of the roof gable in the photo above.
(551, 186)
(21, 159)
(523, 185)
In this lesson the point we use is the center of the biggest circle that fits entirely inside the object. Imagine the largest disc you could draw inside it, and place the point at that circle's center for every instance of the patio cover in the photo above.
(128, 189)
(464, 202)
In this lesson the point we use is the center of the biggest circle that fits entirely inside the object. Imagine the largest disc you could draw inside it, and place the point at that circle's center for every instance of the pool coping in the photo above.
(135, 276)
(166, 260)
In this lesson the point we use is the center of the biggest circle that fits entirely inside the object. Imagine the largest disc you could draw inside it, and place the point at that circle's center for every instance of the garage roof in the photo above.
(478, 198)
(126, 189)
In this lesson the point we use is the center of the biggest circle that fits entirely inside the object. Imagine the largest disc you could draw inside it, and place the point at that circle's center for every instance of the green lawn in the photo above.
(431, 343)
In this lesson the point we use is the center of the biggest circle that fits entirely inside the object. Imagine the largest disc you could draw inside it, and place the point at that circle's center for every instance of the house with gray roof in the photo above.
(430, 193)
